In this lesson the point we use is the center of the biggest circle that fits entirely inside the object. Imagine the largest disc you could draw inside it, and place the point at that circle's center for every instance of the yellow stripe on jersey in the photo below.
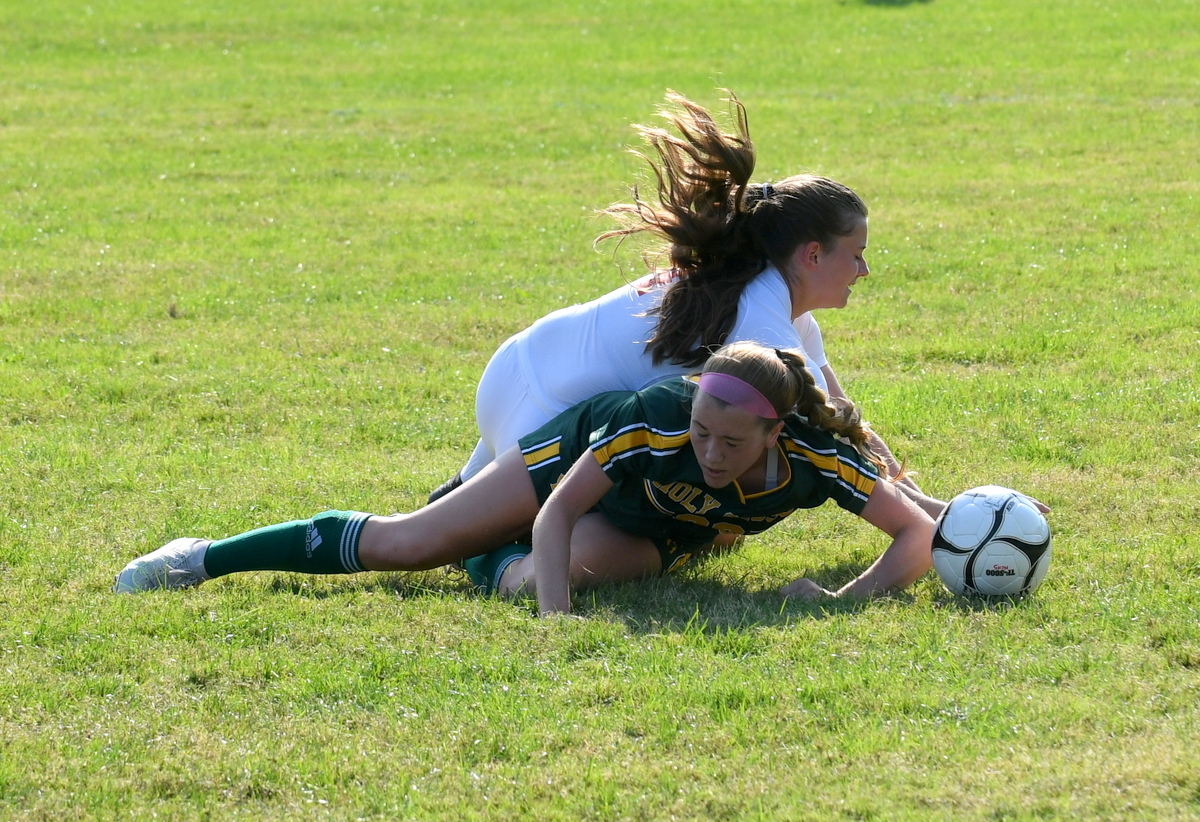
(546, 453)
(827, 463)
(637, 440)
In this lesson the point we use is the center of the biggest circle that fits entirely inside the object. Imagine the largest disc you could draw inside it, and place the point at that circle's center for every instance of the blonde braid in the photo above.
(834, 415)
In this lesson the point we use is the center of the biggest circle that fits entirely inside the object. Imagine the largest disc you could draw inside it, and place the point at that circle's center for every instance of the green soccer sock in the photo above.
(325, 544)
(485, 570)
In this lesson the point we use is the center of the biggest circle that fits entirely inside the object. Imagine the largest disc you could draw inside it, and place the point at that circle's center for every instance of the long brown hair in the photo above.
(719, 231)
(780, 375)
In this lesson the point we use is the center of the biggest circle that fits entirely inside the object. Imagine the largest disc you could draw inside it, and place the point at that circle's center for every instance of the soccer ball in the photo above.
(991, 541)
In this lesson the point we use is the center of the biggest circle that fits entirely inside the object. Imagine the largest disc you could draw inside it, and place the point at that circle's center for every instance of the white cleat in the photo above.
(178, 564)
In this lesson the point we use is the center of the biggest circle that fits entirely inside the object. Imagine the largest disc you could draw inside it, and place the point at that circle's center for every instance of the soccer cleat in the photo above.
(445, 488)
(178, 564)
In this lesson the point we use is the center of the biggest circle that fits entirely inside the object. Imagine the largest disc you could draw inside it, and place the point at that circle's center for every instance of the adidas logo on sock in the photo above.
(312, 540)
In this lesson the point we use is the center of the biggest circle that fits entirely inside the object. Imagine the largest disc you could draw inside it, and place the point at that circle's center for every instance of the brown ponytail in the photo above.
(719, 231)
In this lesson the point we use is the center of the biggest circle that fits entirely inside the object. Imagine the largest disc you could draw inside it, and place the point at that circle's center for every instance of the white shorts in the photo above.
(504, 409)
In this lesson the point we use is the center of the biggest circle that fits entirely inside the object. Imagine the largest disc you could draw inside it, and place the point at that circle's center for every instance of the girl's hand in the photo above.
(806, 590)
(1041, 506)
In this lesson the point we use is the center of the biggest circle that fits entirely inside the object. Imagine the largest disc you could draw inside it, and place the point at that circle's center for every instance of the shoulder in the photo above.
(798, 437)
(769, 286)
(823, 450)
(679, 386)
(650, 423)
(850, 475)
(765, 313)
(667, 401)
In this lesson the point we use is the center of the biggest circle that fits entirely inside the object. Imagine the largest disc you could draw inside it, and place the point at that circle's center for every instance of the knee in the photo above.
(518, 578)
(396, 543)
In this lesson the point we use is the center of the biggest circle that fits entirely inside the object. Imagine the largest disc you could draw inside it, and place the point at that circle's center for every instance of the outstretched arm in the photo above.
(905, 560)
(576, 494)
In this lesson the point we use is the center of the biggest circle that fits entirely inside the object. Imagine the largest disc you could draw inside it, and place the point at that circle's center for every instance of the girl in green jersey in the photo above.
(622, 486)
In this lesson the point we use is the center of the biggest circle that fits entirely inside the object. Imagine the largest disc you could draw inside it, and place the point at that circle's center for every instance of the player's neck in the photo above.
(754, 480)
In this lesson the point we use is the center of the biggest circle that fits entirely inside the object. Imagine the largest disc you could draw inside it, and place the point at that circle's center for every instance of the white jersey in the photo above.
(575, 353)
(813, 346)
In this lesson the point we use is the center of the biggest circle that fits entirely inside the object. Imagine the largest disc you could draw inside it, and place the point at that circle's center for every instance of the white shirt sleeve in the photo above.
(810, 337)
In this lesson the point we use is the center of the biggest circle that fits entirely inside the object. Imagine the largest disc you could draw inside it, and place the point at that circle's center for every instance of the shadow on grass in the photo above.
(401, 585)
(687, 601)
(982, 604)
(691, 603)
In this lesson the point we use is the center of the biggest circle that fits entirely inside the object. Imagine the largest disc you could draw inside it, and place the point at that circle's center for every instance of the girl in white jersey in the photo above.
(747, 263)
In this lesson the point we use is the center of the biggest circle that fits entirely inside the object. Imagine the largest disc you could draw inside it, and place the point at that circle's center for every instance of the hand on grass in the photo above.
(561, 615)
(805, 589)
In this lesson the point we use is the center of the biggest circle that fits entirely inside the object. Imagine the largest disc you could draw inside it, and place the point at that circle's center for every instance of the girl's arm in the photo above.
(908, 557)
(575, 495)
(835, 387)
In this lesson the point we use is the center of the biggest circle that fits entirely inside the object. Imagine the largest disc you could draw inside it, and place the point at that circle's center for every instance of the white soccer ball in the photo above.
(991, 541)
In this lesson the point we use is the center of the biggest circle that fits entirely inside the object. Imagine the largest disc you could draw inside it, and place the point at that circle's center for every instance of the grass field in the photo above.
(254, 257)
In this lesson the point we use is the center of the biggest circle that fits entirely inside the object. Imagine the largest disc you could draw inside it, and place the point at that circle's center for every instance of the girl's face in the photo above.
(729, 442)
(823, 277)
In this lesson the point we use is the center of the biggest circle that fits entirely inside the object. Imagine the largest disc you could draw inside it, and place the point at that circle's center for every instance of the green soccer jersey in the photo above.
(641, 439)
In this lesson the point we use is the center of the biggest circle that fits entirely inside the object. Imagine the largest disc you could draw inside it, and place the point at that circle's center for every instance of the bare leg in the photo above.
(496, 506)
(601, 554)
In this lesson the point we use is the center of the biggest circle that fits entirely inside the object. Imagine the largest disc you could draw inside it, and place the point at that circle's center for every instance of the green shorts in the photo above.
(674, 556)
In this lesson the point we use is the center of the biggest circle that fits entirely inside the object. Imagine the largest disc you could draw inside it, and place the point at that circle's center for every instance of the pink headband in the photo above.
(737, 392)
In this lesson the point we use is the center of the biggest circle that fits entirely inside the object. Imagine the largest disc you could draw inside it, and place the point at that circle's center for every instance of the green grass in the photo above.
(253, 258)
